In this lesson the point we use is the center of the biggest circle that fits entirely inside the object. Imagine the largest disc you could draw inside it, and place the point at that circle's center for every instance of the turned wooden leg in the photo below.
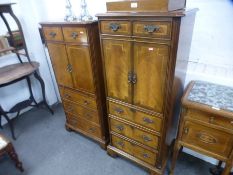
(227, 169)
(176, 151)
(11, 152)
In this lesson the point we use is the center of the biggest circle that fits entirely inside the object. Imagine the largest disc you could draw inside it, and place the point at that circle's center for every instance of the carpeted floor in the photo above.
(46, 148)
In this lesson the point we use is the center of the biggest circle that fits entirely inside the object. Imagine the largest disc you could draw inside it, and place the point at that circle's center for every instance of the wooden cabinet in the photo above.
(74, 50)
(145, 59)
(206, 124)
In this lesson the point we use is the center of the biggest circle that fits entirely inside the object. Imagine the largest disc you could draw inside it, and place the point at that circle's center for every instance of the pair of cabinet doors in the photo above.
(135, 72)
(72, 66)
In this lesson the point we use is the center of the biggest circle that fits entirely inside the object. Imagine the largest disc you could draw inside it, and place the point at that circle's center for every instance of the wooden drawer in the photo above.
(81, 111)
(134, 150)
(79, 98)
(157, 29)
(115, 27)
(53, 33)
(79, 123)
(134, 133)
(210, 118)
(213, 140)
(137, 117)
(75, 34)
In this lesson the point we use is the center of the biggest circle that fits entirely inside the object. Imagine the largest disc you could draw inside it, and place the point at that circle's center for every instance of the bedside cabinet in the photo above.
(206, 124)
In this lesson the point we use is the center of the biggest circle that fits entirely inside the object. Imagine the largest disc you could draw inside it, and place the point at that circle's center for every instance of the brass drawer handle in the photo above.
(147, 120)
(151, 28)
(146, 138)
(69, 68)
(120, 144)
(145, 155)
(92, 130)
(114, 27)
(52, 34)
(211, 120)
(186, 130)
(86, 102)
(119, 110)
(74, 35)
(120, 127)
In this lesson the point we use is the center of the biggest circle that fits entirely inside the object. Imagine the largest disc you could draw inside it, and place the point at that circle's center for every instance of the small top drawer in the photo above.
(210, 118)
(116, 27)
(53, 33)
(75, 34)
(157, 29)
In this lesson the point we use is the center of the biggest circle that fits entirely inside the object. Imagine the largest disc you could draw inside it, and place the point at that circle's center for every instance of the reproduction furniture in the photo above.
(206, 124)
(20, 71)
(74, 50)
(6, 147)
(145, 59)
(144, 5)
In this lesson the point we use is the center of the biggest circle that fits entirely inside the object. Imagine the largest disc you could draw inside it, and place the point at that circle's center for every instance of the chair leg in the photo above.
(37, 76)
(13, 155)
(2, 113)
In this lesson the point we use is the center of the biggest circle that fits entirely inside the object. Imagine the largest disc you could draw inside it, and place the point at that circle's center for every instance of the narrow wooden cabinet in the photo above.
(145, 58)
(75, 55)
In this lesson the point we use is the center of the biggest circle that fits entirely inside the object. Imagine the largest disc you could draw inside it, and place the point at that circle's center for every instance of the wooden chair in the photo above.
(6, 147)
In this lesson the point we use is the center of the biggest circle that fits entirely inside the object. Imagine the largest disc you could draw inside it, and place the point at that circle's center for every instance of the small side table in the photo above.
(206, 123)
(6, 147)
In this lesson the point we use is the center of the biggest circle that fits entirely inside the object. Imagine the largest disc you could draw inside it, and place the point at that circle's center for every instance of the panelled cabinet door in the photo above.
(80, 61)
(60, 64)
(117, 62)
(150, 65)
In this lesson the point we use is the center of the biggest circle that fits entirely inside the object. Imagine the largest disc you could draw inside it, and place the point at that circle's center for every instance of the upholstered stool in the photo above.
(6, 147)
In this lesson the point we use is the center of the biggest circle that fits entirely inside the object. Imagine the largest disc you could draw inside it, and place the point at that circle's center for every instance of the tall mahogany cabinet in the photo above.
(144, 59)
(75, 55)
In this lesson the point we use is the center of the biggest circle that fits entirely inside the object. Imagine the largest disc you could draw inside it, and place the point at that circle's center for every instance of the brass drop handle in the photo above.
(114, 27)
(146, 138)
(52, 34)
(85, 102)
(147, 120)
(186, 130)
(119, 110)
(74, 35)
(145, 155)
(120, 127)
(151, 28)
(211, 120)
(120, 144)
(92, 130)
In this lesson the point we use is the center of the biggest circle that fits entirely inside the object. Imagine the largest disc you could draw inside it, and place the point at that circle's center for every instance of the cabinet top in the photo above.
(75, 23)
(177, 13)
(210, 97)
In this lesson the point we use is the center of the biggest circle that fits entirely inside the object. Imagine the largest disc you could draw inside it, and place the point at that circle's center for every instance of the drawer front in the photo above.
(83, 125)
(158, 29)
(75, 34)
(210, 118)
(134, 133)
(134, 150)
(53, 33)
(115, 27)
(209, 139)
(79, 98)
(137, 117)
(80, 111)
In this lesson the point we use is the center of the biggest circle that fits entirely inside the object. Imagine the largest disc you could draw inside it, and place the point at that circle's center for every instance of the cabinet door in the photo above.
(80, 61)
(60, 64)
(117, 61)
(150, 65)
